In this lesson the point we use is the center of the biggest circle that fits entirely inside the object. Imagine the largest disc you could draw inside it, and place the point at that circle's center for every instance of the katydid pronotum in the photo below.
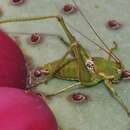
(82, 67)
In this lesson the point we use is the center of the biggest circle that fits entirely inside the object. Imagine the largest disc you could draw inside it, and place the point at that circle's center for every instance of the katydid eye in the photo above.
(38, 72)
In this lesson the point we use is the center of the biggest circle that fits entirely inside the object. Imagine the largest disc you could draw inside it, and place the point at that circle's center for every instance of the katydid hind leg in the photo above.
(83, 74)
(66, 43)
(116, 96)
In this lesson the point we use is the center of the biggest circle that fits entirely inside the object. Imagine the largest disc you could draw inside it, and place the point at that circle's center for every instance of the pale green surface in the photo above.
(103, 112)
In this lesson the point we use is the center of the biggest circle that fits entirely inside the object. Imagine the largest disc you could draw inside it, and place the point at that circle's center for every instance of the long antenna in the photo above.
(87, 21)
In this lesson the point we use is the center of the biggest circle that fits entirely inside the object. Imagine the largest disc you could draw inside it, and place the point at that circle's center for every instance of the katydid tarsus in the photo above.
(82, 67)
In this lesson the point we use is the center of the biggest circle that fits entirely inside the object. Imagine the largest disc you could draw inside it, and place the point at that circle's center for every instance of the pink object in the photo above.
(12, 64)
(21, 110)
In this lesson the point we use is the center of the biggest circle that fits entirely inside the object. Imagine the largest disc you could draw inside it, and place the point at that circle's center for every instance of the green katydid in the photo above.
(84, 68)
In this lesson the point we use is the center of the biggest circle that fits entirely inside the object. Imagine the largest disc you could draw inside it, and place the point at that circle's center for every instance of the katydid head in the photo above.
(36, 76)
(125, 74)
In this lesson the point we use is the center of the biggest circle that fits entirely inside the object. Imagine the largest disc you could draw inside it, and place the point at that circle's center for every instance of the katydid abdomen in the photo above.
(68, 71)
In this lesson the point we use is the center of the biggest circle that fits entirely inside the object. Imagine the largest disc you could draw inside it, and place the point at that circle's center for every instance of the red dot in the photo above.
(17, 2)
(114, 24)
(69, 9)
(125, 74)
(78, 97)
(35, 38)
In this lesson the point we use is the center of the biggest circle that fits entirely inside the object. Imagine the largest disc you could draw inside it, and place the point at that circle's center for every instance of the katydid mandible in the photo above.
(82, 67)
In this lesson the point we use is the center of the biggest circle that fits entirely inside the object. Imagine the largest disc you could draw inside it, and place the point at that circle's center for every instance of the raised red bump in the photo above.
(125, 74)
